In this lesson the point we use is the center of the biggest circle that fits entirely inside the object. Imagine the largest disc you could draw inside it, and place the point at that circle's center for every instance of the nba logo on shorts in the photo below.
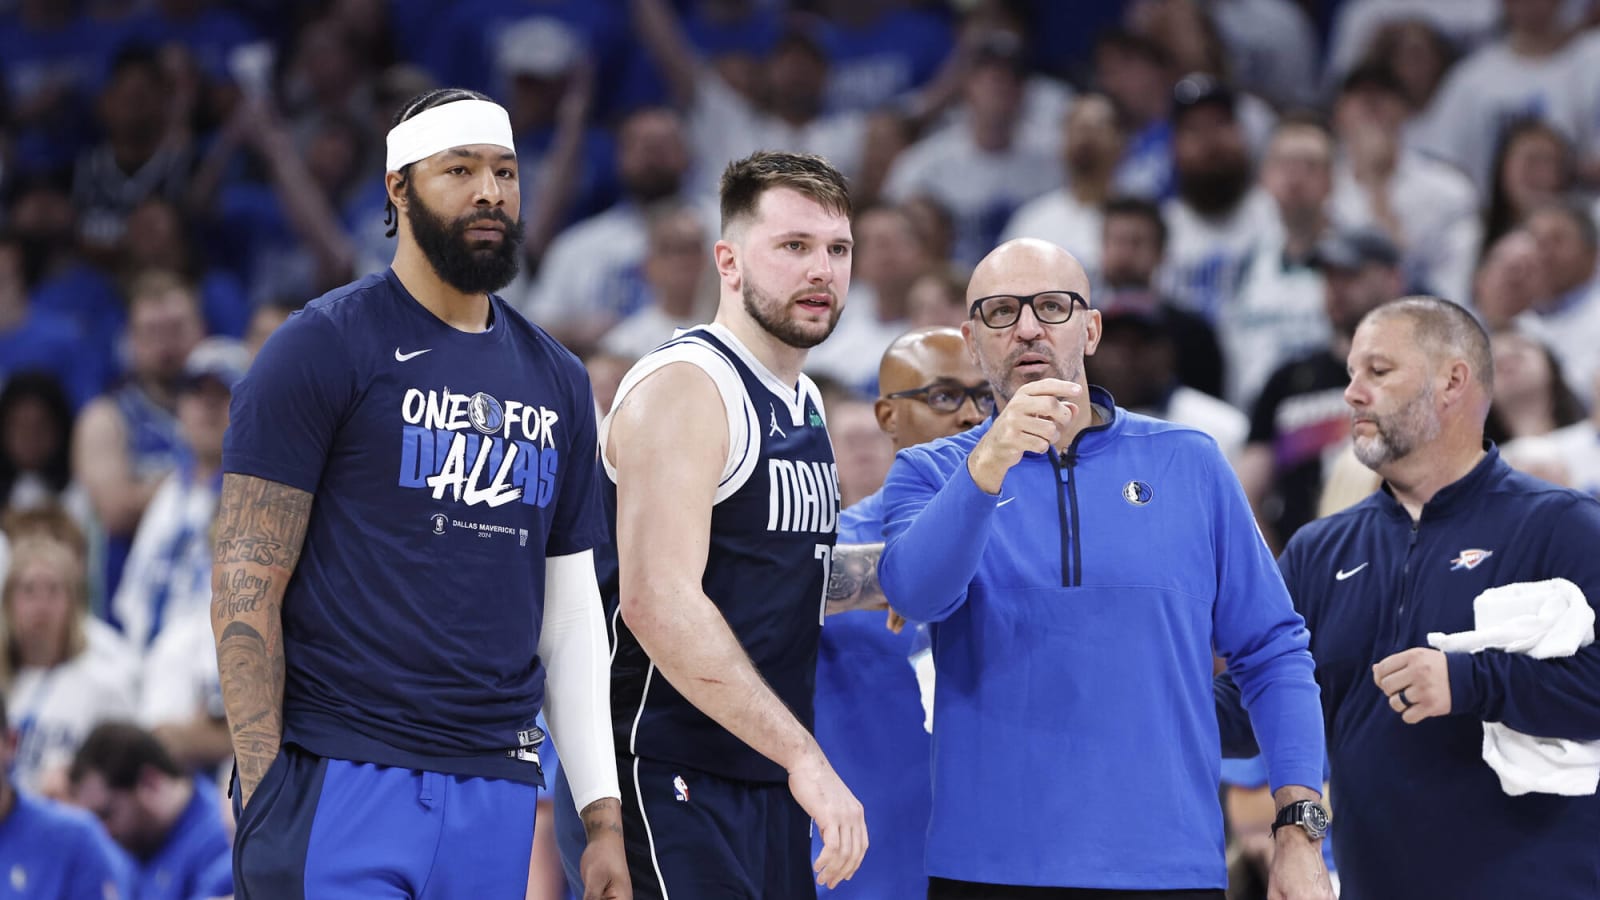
(439, 521)
(680, 790)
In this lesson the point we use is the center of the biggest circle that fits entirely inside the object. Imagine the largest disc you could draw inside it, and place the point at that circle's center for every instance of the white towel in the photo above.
(1543, 619)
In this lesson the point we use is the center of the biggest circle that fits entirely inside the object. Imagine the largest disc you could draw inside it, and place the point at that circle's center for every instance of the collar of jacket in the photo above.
(1461, 494)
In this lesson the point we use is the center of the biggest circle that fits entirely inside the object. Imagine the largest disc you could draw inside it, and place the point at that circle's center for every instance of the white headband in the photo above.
(457, 124)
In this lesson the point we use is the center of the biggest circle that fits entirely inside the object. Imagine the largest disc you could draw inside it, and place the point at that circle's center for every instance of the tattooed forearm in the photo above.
(252, 691)
(260, 528)
(601, 817)
(853, 579)
(260, 522)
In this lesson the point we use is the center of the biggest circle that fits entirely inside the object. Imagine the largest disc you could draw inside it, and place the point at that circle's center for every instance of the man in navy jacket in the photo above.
(1080, 563)
(1420, 813)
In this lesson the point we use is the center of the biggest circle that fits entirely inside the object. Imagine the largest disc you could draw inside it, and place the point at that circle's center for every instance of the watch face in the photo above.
(1315, 820)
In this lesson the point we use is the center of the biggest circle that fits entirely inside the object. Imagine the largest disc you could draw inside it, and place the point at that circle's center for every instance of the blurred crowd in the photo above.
(1243, 179)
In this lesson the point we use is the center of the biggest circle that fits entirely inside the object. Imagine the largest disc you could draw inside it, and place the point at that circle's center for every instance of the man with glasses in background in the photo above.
(869, 712)
(1078, 564)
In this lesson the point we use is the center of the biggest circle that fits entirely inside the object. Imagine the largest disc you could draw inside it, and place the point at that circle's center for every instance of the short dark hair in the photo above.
(1138, 207)
(746, 180)
(119, 752)
(424, 101)
(1444, 327)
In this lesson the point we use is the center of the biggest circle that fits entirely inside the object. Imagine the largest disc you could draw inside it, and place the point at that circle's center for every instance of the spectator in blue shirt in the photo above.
(169, 823)
(48, 850)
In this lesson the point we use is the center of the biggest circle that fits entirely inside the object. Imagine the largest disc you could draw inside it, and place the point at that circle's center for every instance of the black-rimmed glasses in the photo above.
(947, 398)
(1049, 307)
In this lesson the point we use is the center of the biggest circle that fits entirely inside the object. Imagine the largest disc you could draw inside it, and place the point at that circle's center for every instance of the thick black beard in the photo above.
(786, 330)
(470, 270)
(1215, 192)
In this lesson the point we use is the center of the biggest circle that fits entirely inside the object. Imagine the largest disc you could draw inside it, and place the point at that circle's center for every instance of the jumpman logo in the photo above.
(774, 429)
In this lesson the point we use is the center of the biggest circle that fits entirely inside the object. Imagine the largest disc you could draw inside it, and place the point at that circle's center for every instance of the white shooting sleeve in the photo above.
(577, 662)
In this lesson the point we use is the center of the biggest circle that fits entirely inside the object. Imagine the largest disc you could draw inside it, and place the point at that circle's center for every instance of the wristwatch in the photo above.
(1308, 814)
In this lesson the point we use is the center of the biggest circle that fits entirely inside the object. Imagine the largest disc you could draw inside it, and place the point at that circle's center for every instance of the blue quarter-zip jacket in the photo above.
(1418, 812)
(1075, 736)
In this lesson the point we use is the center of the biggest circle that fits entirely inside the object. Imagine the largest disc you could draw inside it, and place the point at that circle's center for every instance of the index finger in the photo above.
(1387, 666)
(1053, 387)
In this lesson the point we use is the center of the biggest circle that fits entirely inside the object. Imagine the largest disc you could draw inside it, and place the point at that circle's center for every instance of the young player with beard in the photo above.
(727, 506)
(403, 571)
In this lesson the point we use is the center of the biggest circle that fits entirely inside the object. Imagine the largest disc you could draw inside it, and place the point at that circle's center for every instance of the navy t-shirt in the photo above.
(445, 467)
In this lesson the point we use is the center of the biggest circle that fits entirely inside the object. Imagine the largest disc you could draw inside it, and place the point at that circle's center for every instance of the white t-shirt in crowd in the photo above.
(724, 126)
(1575, 450)
(980, 189)
(180, 679)
(644, 331)
(1488, 91)
(1278, 314)
(1272, 48)
(1203, 412)
(1437, 211)
(854, 351)
(1571, 329)
(168, 573)
(1206, 257)
(1058, 217)
(53, 710)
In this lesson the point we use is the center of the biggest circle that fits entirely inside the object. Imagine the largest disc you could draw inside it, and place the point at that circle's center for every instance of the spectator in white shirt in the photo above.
(676, 261)
(1526, 73)
(1278, 311)
(1217, 216)
(981, 173)
(168, 576)
(785, 107)
(63, 671)
(590, 276)
(889, 257)
(1569, 318)
(1070, 216)
(1428, 208)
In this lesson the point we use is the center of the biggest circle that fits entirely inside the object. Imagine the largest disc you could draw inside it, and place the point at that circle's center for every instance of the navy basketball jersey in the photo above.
(773, 527)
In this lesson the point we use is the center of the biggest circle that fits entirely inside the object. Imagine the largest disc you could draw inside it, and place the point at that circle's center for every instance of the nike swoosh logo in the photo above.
(1004, 502)
(402, 357)
(1342, 574)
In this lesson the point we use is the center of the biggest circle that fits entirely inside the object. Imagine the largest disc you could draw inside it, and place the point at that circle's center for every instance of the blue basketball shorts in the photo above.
(329, 829)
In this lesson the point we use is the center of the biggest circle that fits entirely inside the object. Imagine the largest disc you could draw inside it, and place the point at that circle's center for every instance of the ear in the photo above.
(726, 256)
(883, 411)
(394, 184)
(1457, 380)
(972, 343)
(1091, 332)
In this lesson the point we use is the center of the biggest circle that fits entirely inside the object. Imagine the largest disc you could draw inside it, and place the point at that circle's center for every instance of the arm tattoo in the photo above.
(255, 706)
(853, 580)
(601, 816)
(260, 528)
